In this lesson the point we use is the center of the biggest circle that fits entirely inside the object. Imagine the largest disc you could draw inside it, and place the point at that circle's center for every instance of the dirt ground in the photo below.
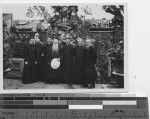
(17, 84)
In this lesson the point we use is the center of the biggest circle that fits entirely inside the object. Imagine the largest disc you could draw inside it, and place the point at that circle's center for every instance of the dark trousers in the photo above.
(91, 75)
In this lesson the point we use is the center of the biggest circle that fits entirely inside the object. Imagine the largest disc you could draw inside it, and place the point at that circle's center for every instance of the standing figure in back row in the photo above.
(69, 53)
(47, 61)
(39, 57)
(91, 58)
(80, 63)
(29, 71)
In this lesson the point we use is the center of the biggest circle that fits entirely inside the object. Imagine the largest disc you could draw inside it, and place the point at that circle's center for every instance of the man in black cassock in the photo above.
(80, 63)
(91, 58)
(68, 63)
(39, 57)
(29, 71)
(47, 61)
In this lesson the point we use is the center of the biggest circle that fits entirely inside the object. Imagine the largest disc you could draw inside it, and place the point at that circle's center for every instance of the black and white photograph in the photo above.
(68, 46)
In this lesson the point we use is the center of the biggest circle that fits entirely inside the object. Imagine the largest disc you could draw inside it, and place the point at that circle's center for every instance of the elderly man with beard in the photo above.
(56, 62)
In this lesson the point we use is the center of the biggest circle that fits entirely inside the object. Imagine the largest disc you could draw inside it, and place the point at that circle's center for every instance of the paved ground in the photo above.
(17, 84)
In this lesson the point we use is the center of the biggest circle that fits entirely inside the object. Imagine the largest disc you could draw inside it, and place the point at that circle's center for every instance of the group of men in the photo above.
(77, 63)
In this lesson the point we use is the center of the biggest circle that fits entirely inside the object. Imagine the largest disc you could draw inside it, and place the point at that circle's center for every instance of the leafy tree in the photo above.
(41, 11)
(118, 12)
(62, 16)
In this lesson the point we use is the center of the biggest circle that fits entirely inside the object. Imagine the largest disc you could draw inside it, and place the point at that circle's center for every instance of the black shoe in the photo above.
(70, 86)
(25, 83)
(85, 86)
(91, 86)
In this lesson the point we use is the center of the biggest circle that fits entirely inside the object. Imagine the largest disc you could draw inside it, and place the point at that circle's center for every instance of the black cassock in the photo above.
(80, 65)
(69, 53)
(29, 72)
(46, 64)
(39, 59)
(91, 61)
(53, 75)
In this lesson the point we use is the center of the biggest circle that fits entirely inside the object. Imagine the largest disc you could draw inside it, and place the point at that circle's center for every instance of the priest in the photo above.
(91, 58)
(29, 71)
(69, 53)
(39, 57)
(47, 61)
(80, 63)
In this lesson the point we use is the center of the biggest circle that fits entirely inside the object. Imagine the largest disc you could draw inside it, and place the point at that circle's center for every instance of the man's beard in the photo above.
(55, 48)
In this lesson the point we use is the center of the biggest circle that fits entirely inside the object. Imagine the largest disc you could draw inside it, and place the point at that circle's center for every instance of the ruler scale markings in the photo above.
(51, 113)
(142, 104)
(119, 108)
(21, 113)
(90, 113)
(129, 113)
(31, 113)
(100, 113)
(41, 113)
(70, 113)
(61, 113)
(79, 113)
(8, 113)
